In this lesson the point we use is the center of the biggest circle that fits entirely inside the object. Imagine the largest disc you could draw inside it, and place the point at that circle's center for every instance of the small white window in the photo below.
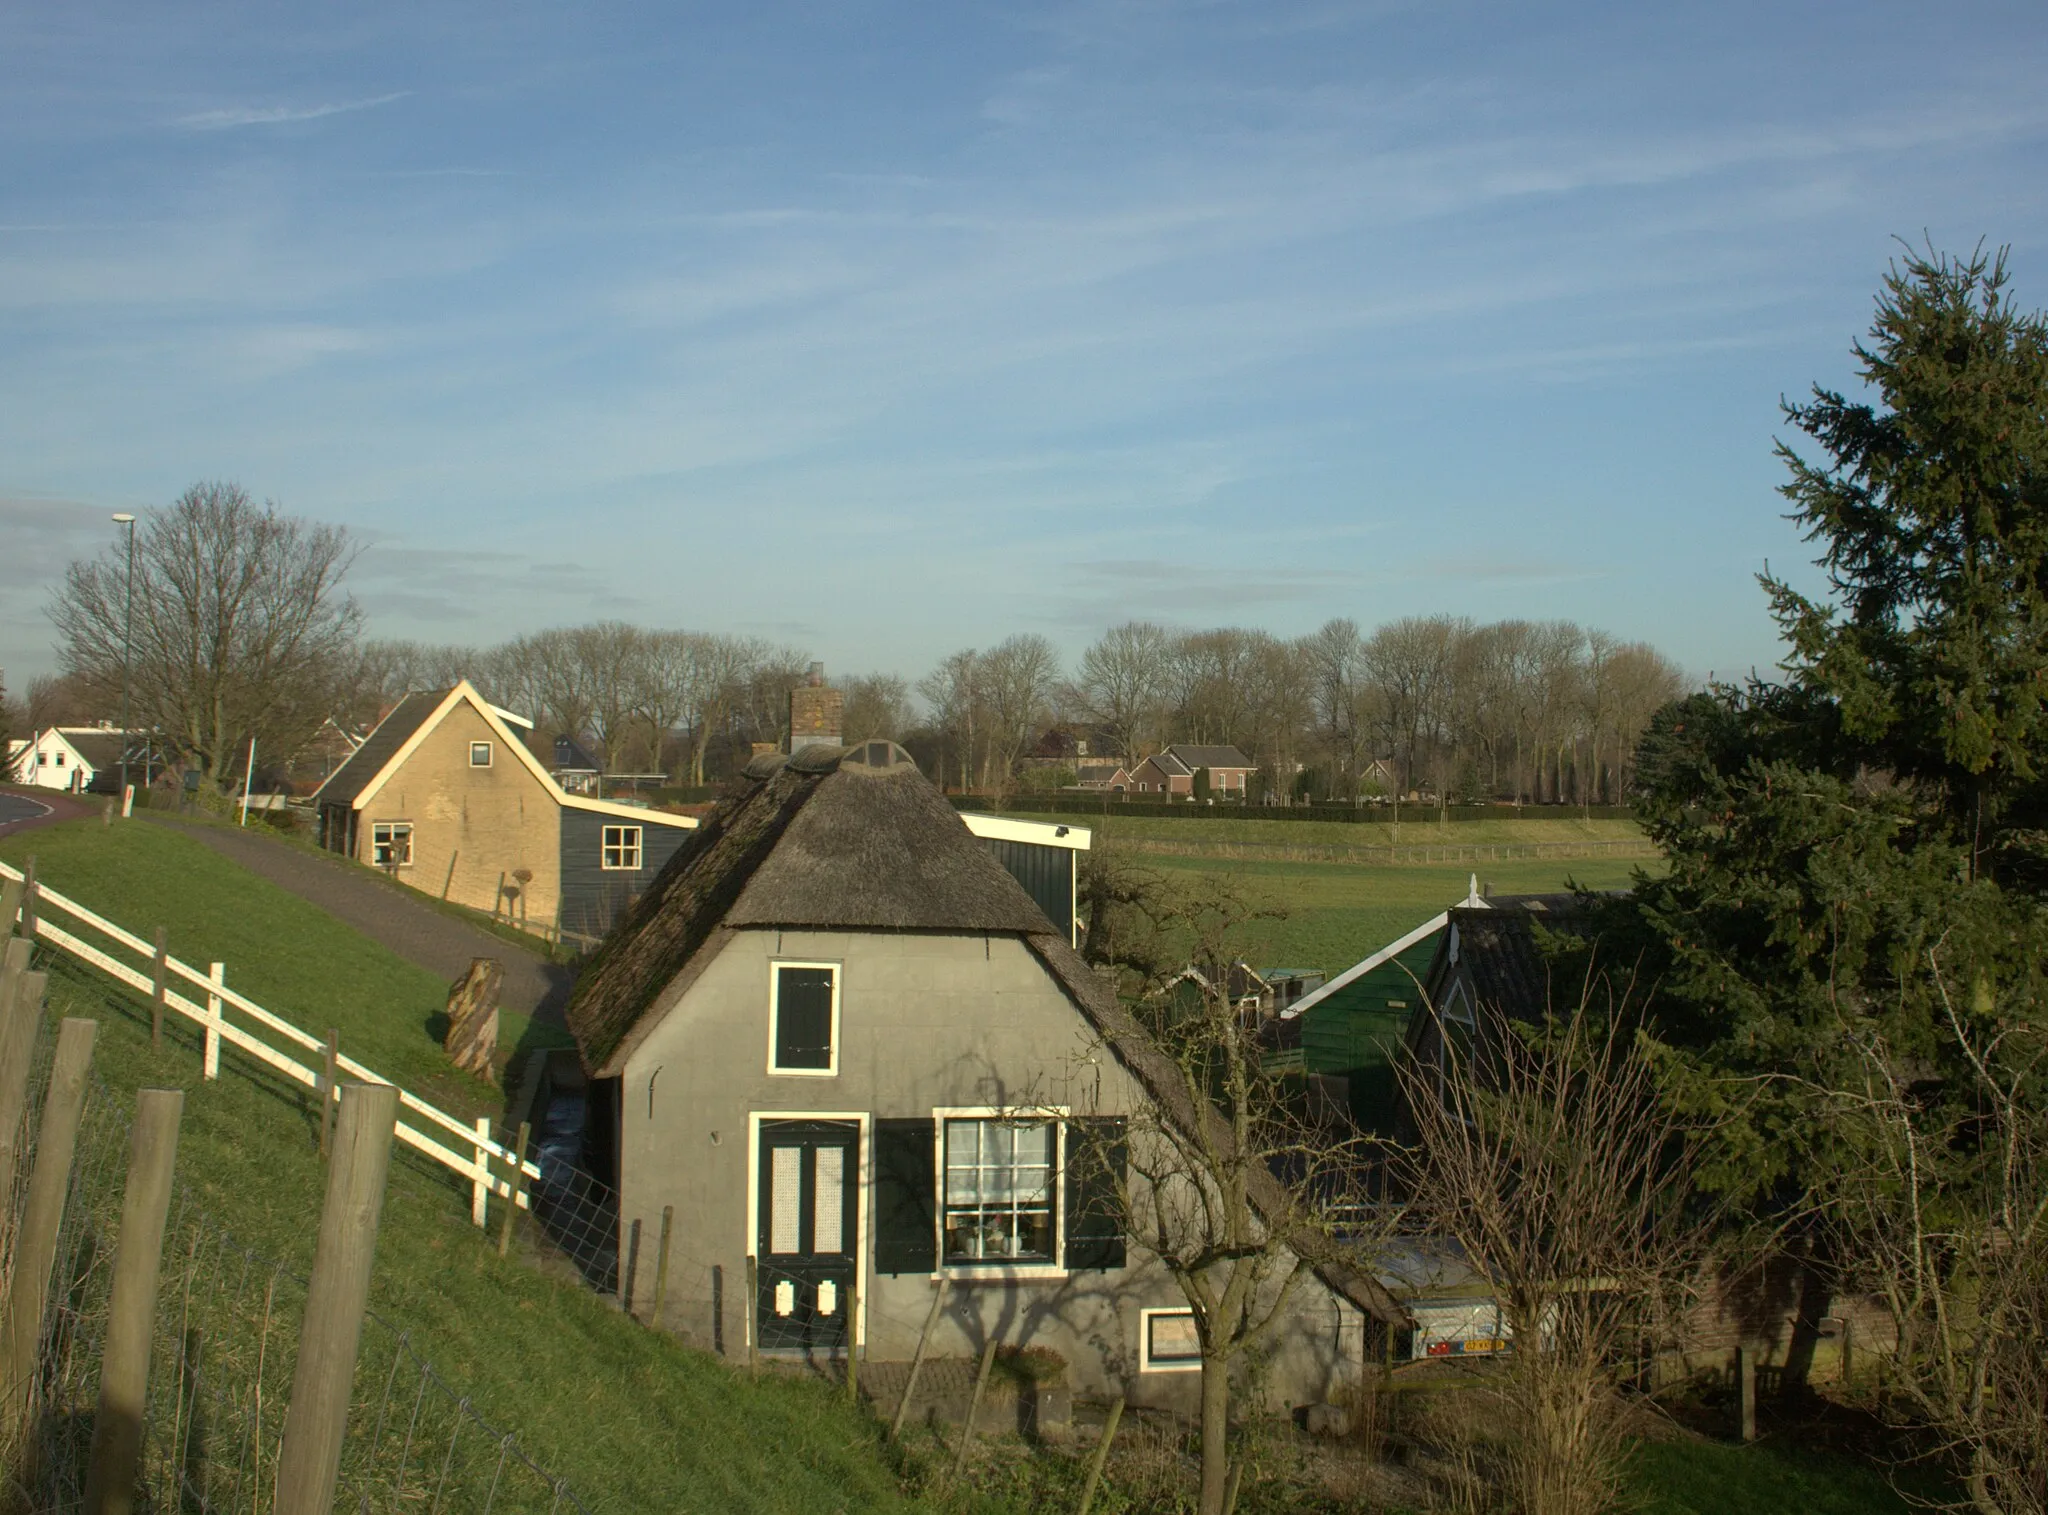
(1168, 1342)
(391, 843)
(803, 1019)
(479, 754)
(621, 847)
(999, 1191)
(60, 764)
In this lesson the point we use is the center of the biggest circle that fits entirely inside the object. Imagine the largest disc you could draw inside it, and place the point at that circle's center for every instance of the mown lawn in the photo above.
(1333, 914)
(1713, 1478)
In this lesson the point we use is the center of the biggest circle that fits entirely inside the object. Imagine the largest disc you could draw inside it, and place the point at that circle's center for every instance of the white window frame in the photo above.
(388, 827)
(489, 752)
(775, 967)
(605, 848)
(967, 1270)
(1174, 1365)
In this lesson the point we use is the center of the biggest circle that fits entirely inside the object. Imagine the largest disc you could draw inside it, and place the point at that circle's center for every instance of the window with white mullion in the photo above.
(998, 1187)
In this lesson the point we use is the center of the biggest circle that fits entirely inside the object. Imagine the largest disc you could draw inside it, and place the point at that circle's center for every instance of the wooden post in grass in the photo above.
(668, 1220)
(28, 898)
(131, 1310)
(330, 1065)
(1745, 1388)
(21, 1010)
(924, 1339)
(309, 1456)
(35, 1249)
(1116, 1414)
(1848, 1355)
(988, 1361)
(10, 904)
(515, 1181)
(217, 977)
(159, 986)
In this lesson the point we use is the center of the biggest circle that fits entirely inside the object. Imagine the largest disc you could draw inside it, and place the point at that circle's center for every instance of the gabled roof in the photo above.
(1422, 933)
(95, 746)
(1192, 757)
(857, 838)
(372, 765)
(1497, 950)
(1168, 764)
(824, 840)
(367, 763)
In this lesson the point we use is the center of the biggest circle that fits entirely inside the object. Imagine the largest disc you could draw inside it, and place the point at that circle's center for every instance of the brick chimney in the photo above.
(816, 713)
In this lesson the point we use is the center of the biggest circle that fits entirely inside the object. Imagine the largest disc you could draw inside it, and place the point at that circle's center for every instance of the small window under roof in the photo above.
(878, 756)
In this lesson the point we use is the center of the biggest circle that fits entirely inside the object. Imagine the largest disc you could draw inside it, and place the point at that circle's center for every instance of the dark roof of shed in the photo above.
(1501, 954)
(102, 749)
(813, 842)
(379, 747)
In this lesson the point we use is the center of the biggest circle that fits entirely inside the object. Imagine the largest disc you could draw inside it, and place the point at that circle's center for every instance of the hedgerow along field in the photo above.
(633, 1420)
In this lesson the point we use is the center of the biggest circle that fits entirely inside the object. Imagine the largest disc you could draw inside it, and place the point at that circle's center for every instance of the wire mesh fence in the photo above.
(223, 1356)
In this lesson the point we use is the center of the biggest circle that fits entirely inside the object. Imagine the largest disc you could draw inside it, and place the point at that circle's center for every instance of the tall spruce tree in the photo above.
(1857, 850)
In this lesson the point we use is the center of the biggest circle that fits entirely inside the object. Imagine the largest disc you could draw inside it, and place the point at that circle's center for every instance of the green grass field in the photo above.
(1333, 914)
(1416, 831)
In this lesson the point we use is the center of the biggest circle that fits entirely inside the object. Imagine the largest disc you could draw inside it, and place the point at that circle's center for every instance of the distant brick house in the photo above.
(447, 797)
(1173, 771)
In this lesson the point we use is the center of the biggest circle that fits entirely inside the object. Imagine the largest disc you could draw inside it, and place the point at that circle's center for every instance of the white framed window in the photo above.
(479, 754)
(999, 1190)
(1168, 1342)
(391, 844)
(43, 761)
(60, 764)
(620, 848)
(803, 1019)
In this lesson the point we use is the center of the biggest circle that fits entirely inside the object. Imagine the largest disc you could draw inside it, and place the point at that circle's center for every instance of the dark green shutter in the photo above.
(906, 1189)
(1097, 1156)
(803, 1017)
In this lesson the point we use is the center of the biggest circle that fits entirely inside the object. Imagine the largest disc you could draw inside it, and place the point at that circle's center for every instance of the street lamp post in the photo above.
(123, 518)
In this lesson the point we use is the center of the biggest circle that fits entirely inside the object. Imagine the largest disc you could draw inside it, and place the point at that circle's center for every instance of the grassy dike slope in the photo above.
(633, 1421)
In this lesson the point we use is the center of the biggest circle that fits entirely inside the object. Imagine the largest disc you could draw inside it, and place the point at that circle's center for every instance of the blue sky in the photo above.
(889, 329)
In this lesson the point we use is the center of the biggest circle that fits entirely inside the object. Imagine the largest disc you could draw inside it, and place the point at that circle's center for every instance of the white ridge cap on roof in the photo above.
(1386, 954)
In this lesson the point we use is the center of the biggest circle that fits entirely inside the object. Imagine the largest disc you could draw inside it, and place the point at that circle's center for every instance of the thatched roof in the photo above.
(828, 840)
(858, 839)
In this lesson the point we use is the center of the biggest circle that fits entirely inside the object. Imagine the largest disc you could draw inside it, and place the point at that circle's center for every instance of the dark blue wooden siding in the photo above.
(1047, 874)
(593, 897)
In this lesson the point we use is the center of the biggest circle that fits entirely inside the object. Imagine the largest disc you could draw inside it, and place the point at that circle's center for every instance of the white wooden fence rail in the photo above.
(476, 1157)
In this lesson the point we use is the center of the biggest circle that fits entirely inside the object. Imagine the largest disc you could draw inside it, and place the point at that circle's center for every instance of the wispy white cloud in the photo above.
(228, 117)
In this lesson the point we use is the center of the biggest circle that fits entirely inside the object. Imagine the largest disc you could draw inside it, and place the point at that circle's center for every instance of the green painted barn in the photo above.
(1351, 1026)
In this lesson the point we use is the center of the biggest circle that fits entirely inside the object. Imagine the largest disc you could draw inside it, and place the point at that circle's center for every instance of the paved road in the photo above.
(21, 811)
(416, 931)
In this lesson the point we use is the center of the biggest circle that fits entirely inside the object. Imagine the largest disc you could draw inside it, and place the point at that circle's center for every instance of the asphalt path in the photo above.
(23, 811)
(387, 913)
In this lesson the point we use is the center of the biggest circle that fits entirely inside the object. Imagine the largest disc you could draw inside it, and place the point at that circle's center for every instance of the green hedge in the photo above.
(1098, 804)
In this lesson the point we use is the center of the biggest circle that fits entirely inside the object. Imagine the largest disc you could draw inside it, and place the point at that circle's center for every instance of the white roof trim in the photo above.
(630, 812)
(463, 691)
(1386, 954)
(510, 719)
(997, 828)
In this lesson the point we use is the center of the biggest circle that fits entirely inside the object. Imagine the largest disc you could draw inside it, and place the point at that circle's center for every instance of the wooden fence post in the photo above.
(159, 986)
(668, 1220)
(480, 1180)
(28, 898)
(10, 904)
(329, 1067)
(217, 976)
(924, 1339)
(988, 1361)
(309, 1457)
(131, 1310)
(21, 1010)
(1745, 1376)
(515, 1182)
(1116, 1414)
(35, 1249)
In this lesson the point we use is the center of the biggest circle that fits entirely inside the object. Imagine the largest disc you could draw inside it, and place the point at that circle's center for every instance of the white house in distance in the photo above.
(73, 758)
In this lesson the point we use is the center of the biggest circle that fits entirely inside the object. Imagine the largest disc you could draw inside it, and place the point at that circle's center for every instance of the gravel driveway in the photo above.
(416, 931)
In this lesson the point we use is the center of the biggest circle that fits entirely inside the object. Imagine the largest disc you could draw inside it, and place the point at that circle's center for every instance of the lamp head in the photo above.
(123, 518)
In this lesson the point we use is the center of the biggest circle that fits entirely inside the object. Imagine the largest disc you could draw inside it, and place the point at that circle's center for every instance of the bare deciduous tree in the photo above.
(1122, 683)
(241, 628)
(1551, 1161)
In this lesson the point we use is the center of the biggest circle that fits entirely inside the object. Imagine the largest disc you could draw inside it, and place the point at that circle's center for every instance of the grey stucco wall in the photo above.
(926, 1023)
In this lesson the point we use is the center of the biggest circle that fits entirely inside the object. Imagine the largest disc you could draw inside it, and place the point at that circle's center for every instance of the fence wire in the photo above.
(221, 1366)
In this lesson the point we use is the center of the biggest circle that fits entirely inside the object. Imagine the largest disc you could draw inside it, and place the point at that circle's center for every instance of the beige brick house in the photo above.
(446, 796)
